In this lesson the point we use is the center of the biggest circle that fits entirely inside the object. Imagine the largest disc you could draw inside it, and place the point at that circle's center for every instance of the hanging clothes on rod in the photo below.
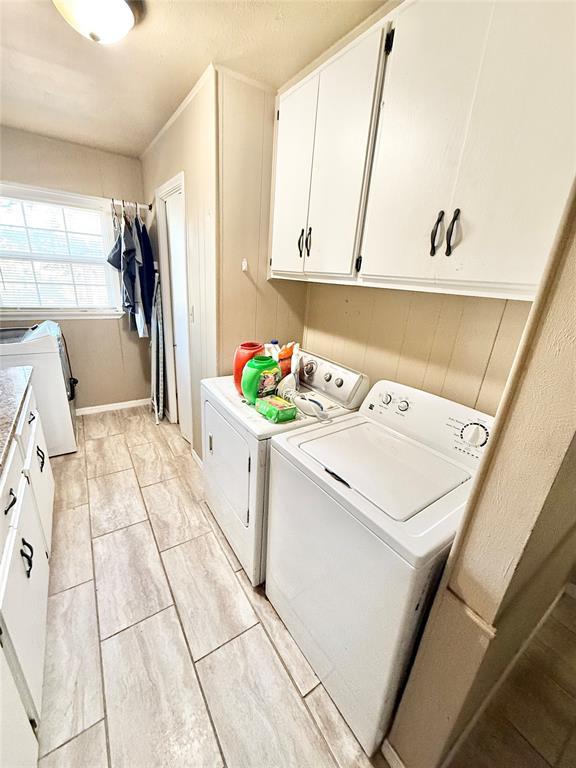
(132, 256)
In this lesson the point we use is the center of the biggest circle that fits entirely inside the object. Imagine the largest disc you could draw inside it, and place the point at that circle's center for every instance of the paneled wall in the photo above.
(460, 347)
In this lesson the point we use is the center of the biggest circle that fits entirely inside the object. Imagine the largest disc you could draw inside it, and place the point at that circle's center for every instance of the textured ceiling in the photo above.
(57, 83)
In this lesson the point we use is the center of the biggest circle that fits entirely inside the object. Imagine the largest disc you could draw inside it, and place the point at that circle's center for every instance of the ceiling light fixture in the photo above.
(104, 21)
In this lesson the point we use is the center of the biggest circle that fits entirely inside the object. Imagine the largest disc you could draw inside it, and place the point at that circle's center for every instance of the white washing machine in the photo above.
(361, 516)
(43, 347)
(236, 451)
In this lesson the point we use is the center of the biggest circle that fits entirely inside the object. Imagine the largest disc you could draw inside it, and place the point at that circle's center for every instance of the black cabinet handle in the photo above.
(308, 241)
(450, 231)
(27, 557)
(434, 233)
(42, 456)
(31, 417)
(301, 243)
(12, 501)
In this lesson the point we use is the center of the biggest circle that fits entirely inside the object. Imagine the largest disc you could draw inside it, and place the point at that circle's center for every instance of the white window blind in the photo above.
(53, 255)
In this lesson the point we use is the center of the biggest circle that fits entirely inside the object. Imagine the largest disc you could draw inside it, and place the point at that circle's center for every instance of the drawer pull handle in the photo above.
(27, 557)
(450, 231)
(42, 456)
(31, 417)
(301, 243)
(434, 233)
(13, 500)
(210, 443)
(308, 241)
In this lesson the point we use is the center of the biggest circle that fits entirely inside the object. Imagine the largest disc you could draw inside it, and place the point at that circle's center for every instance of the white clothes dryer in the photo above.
(236, 450)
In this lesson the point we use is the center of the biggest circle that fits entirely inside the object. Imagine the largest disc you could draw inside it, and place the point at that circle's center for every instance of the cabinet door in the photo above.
(294, 145)
(343, 117)
(23, 597)
(38, 468)
(519, 158)
(427, 96)
(18, 745)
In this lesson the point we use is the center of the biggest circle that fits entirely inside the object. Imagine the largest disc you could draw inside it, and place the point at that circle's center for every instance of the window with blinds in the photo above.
(53, 256)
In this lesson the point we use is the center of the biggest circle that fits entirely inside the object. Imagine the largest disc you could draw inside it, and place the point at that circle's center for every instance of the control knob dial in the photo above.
(474, 434)
(309, 367)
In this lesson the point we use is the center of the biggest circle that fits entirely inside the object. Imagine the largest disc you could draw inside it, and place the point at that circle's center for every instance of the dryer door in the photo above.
(227, 461)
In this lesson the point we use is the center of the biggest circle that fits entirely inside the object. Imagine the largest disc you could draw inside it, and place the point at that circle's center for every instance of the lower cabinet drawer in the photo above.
(9, 482)
(23, 600)
(18, 744)
(37, 468)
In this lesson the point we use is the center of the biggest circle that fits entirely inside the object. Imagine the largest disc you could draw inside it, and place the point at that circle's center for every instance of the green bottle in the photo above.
(260, 378)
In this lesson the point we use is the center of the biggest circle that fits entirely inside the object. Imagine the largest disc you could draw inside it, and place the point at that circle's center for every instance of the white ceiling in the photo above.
(57, 83)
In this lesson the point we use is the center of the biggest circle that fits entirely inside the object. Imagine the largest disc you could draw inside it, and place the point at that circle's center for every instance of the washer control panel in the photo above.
(456, 430)
(345, 386)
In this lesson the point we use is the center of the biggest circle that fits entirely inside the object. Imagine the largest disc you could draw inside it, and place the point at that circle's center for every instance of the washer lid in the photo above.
(396, 475)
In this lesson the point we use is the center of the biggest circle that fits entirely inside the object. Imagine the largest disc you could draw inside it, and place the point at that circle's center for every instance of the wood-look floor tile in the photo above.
(130, 581)
(341, 740)
(235, 564)
(212, 605)
(156, 714)
(115, 501)
(72, 695)
(258, 715)
(139, 427)
(293, 658)
(103, 424)
(190, 474)
(71, 555)
(174, 514)
(495, 743)
(153, 463)
(568, 758)
(553, 662)
(565, 612)
(178, 445)
(106, 455)
(542, 711)
(87, 750)
(70, 486)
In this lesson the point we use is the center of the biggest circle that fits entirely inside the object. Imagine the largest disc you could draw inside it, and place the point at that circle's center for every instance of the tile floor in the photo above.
(159, 651)
(160, 654)
(531, 722)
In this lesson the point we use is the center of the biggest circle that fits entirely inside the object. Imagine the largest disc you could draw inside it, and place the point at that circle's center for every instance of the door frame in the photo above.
(173, 186)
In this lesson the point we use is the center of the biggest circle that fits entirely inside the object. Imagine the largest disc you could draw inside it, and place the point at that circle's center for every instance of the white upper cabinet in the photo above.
(456, 179)
(294, 147)
(427, 98)
(345, 103)
(519, 158)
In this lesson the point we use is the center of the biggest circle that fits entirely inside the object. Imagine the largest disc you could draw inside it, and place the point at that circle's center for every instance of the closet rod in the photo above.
(120, 203)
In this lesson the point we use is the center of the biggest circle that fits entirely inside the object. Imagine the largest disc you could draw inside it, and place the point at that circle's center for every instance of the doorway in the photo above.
(171, 207)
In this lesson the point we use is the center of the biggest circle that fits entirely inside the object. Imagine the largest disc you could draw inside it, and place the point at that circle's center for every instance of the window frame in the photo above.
(69, 199)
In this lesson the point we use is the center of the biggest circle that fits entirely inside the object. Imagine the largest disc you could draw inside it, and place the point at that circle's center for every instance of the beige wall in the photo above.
(518, 544)
(189, 145)
(252, 307)
(222, 140)
(108, 359)
(459, 347)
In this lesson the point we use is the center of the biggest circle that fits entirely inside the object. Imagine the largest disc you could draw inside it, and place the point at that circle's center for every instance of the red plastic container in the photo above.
(246, 351)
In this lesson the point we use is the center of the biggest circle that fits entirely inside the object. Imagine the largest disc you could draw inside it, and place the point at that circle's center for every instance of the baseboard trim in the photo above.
(196, 458)
(111, 407)
(391, 755)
